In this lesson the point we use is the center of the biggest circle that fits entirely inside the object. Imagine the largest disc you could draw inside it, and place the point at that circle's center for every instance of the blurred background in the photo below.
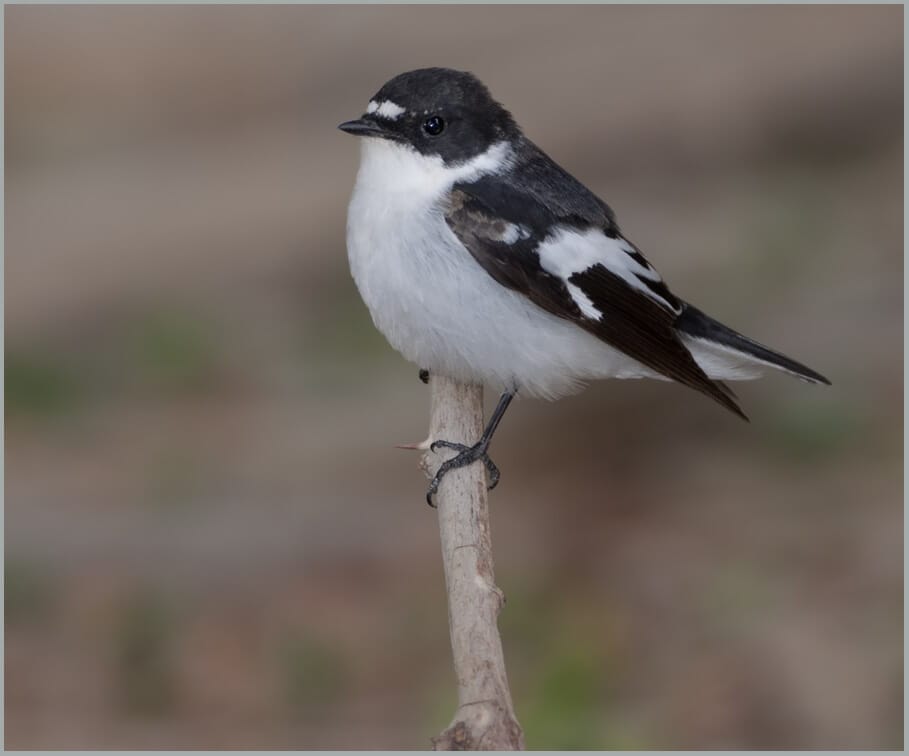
(210, 539)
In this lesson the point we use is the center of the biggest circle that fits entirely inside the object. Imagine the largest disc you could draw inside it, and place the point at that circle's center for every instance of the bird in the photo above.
(482, 259)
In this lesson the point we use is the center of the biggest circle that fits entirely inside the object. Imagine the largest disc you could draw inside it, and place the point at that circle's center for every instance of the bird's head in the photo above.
(438, 112)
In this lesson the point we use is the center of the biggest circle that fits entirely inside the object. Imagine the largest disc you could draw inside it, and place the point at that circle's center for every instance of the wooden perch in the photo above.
(484, 720)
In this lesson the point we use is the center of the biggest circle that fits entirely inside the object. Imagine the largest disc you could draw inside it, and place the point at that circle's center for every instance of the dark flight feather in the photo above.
(632, 322)
(695, 323)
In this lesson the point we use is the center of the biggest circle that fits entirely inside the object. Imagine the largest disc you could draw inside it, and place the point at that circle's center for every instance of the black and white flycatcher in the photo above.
(481, 259)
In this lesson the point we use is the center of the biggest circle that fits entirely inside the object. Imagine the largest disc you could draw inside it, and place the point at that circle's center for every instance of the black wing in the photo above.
(502, 227)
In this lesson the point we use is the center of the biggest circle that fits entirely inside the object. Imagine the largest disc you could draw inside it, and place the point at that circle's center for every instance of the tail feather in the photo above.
(702, 328)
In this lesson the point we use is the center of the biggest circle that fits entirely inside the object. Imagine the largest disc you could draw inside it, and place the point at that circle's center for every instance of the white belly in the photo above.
(437, 306)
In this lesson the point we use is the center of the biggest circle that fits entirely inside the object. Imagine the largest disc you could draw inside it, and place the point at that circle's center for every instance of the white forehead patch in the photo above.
(387, 109)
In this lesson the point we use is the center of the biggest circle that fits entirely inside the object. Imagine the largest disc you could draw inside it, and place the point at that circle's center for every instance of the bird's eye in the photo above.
(434, 125)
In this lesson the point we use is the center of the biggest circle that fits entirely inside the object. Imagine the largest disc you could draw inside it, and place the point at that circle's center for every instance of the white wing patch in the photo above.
(387, 109)
(568, 251)
(645, 269)
(514, 233)
(584, 302)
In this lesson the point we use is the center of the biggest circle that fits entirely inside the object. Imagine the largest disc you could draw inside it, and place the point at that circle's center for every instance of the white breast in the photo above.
(436, 305)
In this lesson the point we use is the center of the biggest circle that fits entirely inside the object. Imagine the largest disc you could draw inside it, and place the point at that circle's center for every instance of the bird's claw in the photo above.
(460, 448)
(466, 455)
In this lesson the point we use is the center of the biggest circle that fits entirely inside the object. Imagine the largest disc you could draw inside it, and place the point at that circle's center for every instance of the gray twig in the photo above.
(485, 719)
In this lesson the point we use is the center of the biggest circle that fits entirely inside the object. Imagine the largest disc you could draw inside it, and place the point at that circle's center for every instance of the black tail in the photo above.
(694, 323)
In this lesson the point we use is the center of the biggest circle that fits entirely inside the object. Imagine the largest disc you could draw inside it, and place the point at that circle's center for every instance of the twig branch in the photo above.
(485, 719)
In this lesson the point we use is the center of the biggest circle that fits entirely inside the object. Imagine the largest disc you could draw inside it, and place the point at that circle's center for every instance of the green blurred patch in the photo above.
(734, 596)
(808, 431)
(39, 384)
(440, 706)
(566, 665)
(175, 480)
(340, 342)
(173, 351)
(314, 675)
(27, 593)
(573, 704)
(565, 709)
(145, 662)
(785, 231)
(165, 350)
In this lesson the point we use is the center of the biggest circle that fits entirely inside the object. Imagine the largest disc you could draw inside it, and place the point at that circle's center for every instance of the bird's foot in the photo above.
(466, 455)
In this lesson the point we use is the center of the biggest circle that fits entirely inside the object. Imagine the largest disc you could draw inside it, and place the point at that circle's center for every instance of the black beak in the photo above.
(365, 128)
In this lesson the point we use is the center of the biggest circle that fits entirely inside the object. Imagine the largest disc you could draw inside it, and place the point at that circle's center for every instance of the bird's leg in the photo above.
(469, 454)
(424, 375)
